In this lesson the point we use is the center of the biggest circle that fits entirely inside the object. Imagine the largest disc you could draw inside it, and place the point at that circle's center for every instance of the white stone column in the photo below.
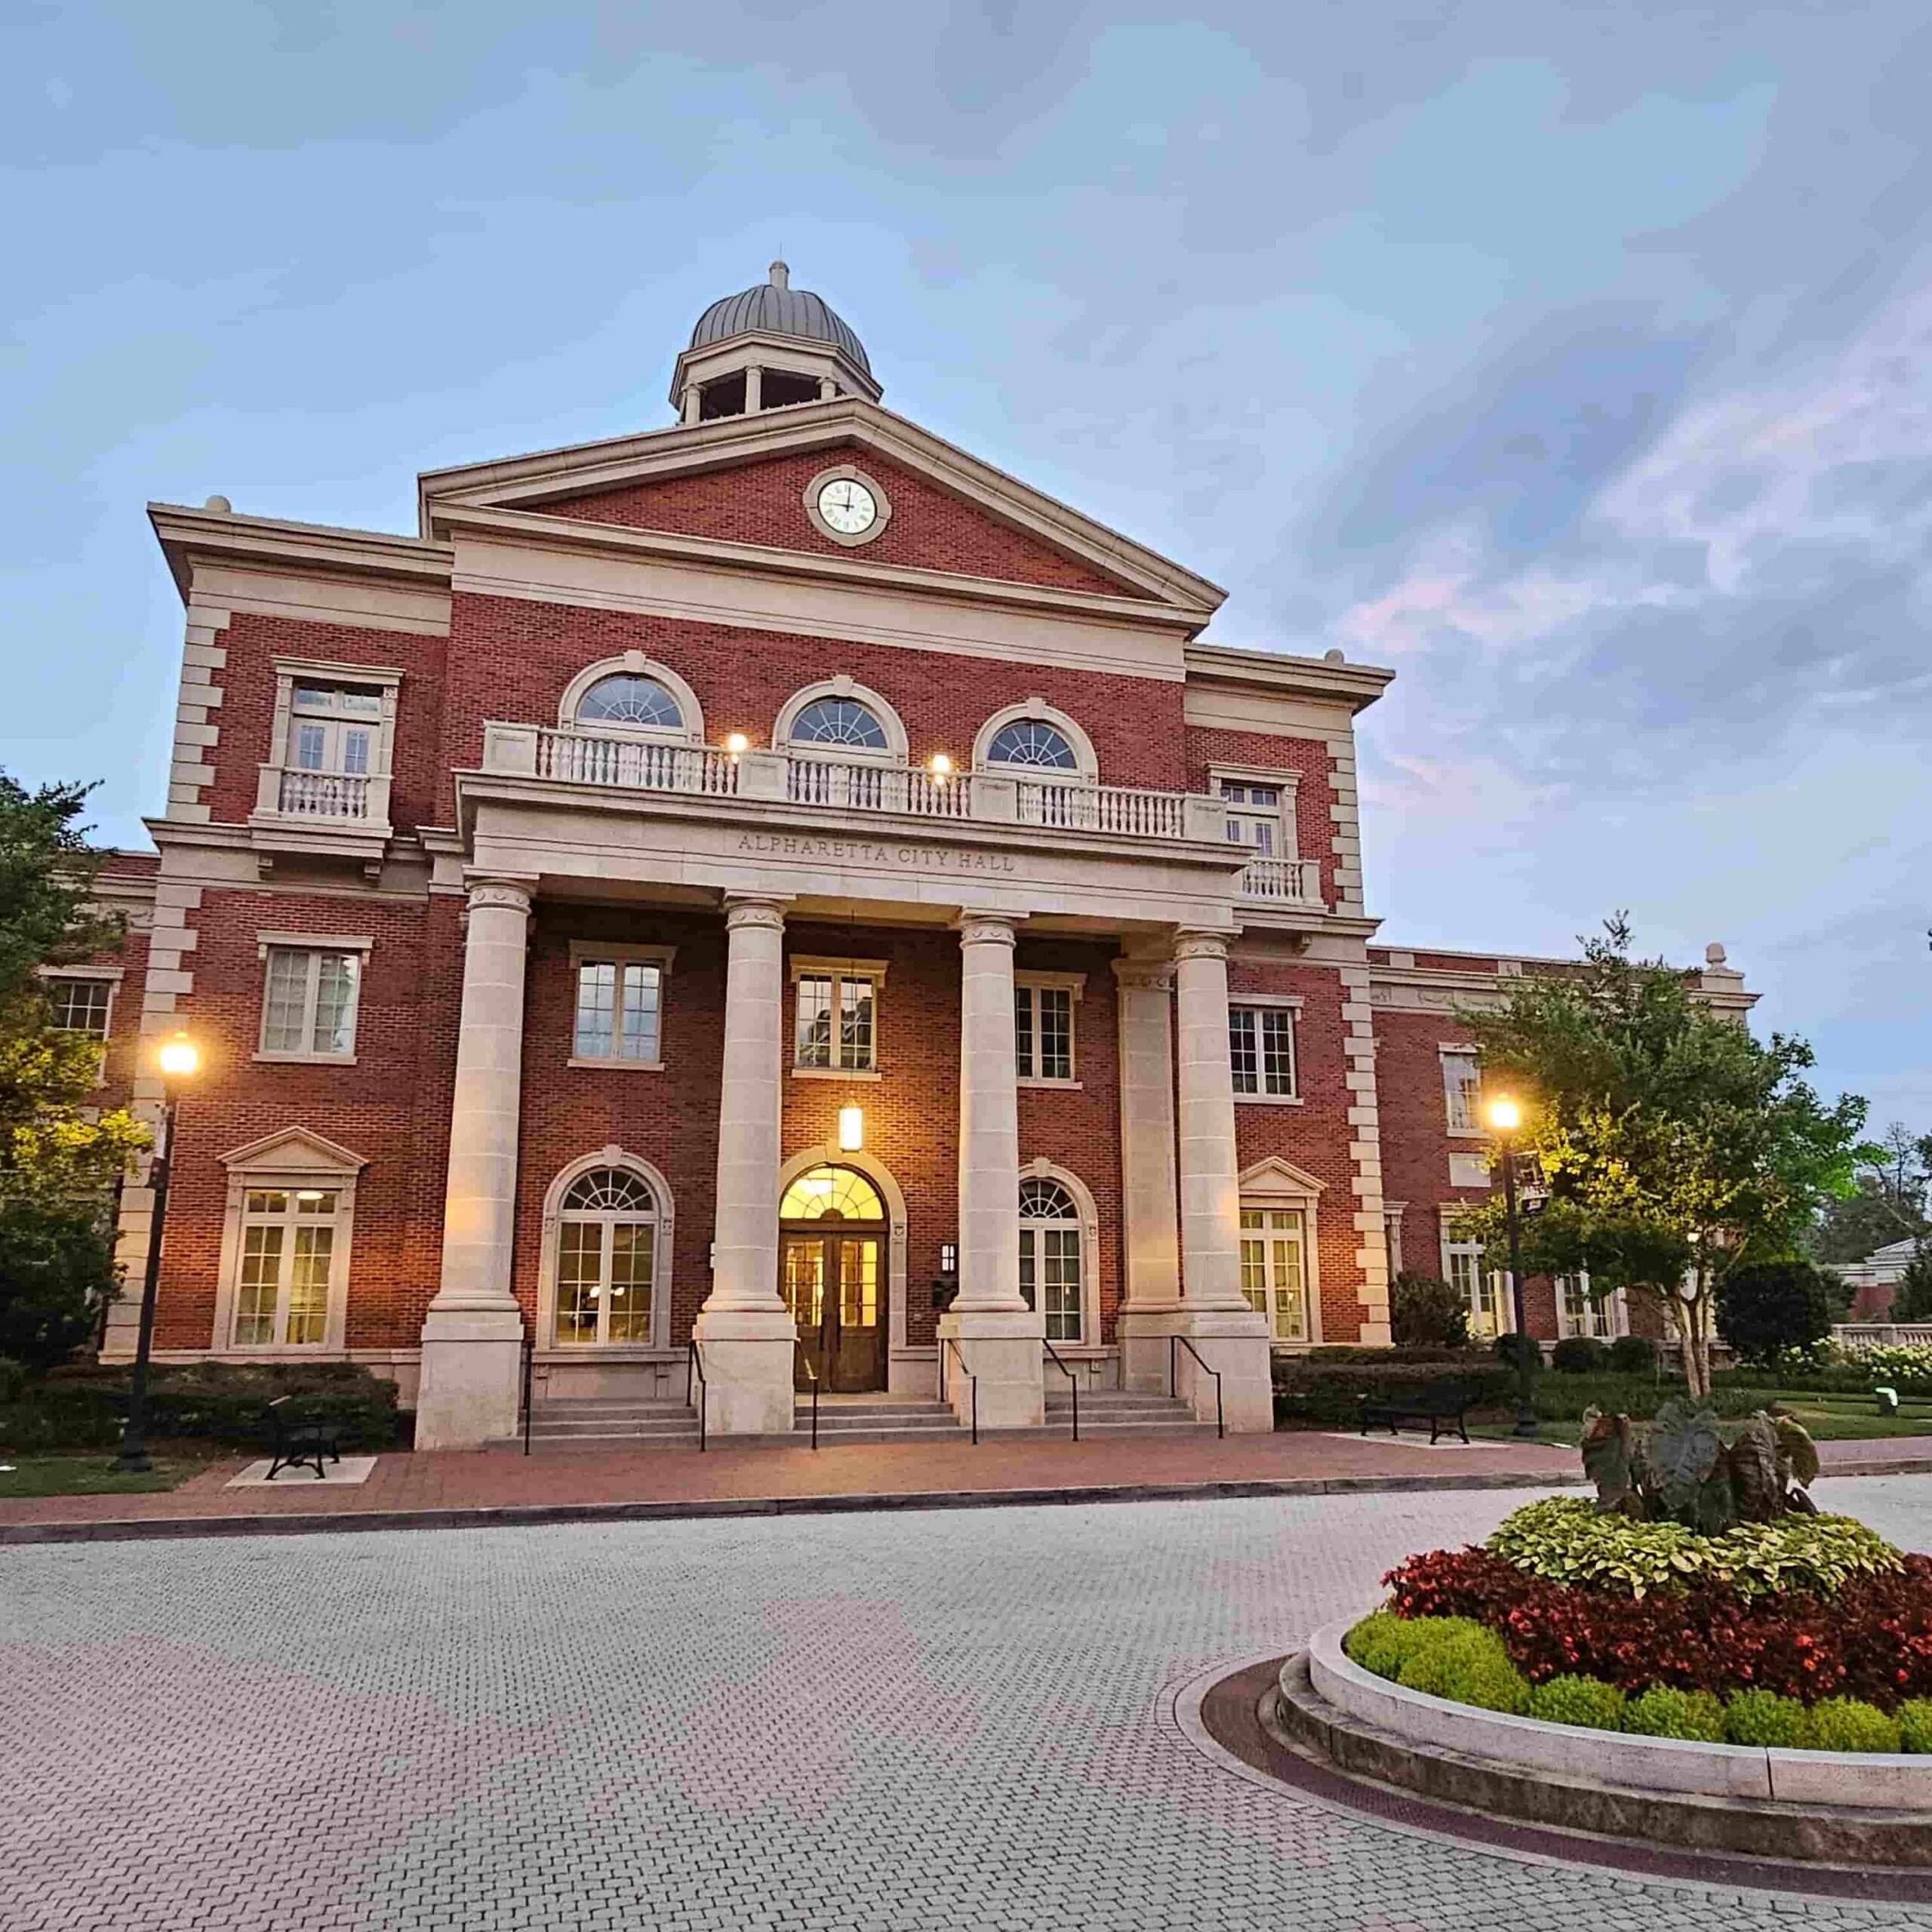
(744, 1332)
(1232, 1337)
(472, 1335)
(1150, 1217)
(997, 1336)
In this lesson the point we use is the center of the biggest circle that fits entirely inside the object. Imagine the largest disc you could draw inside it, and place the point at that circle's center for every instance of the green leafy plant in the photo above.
(1633, 1355)
(1661, 1711)
(1846, 1724)
(1914, 1723)
(1577, 1355)
(1764, 1718)
(1766, 1307)
(1422, 1309)
(1587, 1702)
(1680, 1469)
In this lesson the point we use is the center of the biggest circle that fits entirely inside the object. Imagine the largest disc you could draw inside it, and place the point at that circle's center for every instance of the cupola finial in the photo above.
(781, 276)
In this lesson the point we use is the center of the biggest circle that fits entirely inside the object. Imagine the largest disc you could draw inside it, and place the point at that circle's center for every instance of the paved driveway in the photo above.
(910, 1721)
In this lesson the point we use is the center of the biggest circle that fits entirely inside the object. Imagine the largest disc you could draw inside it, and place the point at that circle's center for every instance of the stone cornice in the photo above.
(1278, 674)
(734, 440)
(187, 536)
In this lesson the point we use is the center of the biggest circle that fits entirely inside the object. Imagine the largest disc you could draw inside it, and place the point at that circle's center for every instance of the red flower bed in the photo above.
(1873, 1640)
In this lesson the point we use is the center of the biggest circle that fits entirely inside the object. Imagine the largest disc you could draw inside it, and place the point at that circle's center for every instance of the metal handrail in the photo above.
(1053, 1354)
(948, 1343)
(529, 1383)
(1175, 1344)
(694, 1366)
(800, 1348)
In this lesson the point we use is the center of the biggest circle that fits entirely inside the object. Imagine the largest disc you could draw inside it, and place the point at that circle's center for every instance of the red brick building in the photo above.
(780, 883)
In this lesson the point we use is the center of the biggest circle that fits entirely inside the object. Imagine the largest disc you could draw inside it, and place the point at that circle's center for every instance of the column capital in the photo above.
(1191, 943)
(987, 928)
(755, 908)
(514, 894)
(1156, 975)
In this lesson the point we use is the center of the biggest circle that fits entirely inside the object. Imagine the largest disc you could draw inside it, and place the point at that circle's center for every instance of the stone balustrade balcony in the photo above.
(318, 815)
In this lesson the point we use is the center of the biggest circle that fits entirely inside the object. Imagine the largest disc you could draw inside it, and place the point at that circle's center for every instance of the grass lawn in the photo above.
(88, 1474)
(1829, 1418)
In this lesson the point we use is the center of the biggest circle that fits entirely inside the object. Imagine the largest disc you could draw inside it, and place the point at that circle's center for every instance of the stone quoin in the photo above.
(778, 882)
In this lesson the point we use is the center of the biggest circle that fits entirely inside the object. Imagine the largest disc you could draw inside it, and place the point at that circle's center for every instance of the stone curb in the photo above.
(517, 1516)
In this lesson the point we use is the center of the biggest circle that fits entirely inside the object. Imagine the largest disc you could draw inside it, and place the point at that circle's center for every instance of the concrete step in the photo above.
(611, 1405)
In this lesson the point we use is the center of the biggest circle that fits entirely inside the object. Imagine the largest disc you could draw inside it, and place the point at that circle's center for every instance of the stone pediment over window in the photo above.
(294, 1150)
(1274, 1176)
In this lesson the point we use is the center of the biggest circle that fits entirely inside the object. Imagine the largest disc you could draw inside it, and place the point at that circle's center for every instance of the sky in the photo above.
(1573, 357)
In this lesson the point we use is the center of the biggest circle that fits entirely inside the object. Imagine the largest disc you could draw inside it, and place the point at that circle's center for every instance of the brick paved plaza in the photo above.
(903, 1721)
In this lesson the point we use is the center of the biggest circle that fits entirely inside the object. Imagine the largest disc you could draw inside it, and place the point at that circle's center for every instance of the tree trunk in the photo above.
(1697, 1345)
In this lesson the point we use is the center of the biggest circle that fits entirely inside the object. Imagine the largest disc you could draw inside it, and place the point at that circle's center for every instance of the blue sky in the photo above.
(1574, 358)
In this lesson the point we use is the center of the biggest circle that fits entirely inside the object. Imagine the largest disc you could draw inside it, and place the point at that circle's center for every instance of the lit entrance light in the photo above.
(852, 1129)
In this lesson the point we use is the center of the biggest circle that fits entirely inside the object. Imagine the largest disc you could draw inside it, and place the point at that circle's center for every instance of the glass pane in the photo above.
(855, 1023)
(843, 1190)
(1034, 742)
(313, 697)
(1022, 1031)
(355, 751)
(261, 1275)
(614, 1190)
(1243, 1050)
(80, 1006)
(336, 976)
(858, 1284)
(1029, 1269)
(838, 720)
(1044, 1200)
(309, 1283)
(285, 1002)
(361, 701)
(804, 1283)
(638, 1039)
(1460, 1082)
(596, 1010)
(1060, 1268)
(266, 1200)
(579, 1260)
(1056, 1033)
(310, 747)
(1277, 1050)
(814, 1035)
(314, 1202)
(628, 699)
(629, 1316)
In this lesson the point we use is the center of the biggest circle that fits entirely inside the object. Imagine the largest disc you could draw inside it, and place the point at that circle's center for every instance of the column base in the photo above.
(1233, 1341)
(747, 1355)
(1002, 1353)
(472, 1362)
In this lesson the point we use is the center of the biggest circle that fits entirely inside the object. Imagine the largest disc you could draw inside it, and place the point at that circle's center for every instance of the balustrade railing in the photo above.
(584, 758)
(1294, 881)
(877, 788)
(1120, 808)
(324, 794)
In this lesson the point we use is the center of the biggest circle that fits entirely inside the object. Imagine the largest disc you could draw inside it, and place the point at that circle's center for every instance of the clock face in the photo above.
(850, 507)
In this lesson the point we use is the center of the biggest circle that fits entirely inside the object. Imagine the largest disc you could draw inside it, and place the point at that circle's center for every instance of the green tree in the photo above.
(1888, 1202)
(1676, 1146)
(57, 1272)
(1911, 1299)
(1767, 1305)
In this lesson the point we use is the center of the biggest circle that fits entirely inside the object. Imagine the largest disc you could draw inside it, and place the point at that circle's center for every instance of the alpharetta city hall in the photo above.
(776, 883)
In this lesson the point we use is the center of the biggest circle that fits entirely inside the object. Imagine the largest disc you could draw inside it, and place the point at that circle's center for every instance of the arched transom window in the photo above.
(607, 1240)
(1032, 742)
(631, 699)
(842, 722)
(840, 1191)
(1050, 1260)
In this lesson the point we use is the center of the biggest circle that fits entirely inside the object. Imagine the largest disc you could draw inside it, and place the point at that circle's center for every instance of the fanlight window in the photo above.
(606, 1241)
(829, 1191)
(839, 721)
(1050, 1257)
(627, 697)
(1031, 741)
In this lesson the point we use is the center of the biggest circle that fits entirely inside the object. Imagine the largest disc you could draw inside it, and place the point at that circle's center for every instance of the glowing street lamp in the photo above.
(178, 1059)
(1505, 1117)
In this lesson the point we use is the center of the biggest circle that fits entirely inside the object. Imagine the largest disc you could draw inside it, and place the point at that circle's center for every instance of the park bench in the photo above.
(300, 1441)
(1441, 1405)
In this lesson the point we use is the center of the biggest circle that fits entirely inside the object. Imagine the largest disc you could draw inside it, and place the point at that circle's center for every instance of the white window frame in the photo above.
(896, 743)
(1391, 1223)
(266, 943)
(809, 966)
(1488, 1317)
(664, 1250)
(109, 976)
(1287, 786)
(1274, 1185)
(1074, 985)
(1041, 1168)
(601, 953)
(1087, 764)
(636, 664)
(290, 672)
(1472, 1128)
(1611, 1309)
(1257, 1003)
(290, 1160)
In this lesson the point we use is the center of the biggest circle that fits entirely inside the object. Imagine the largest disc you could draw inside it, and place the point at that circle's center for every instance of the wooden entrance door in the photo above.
(830, 1280)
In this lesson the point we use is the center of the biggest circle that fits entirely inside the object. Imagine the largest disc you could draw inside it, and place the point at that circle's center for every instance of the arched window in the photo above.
(840, 1191)
(843, 722)
(1032, 742)
(607, 1242)
(631, 699)
(1050, 1257)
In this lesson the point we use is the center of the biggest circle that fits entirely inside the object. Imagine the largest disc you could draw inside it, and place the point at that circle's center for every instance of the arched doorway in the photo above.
(832, 1229)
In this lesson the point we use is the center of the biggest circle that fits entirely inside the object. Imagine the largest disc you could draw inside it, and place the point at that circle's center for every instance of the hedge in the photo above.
(1332, 1392)
(208, 1401)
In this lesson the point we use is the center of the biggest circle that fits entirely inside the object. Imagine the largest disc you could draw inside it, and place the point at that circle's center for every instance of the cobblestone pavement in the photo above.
(902, 1721)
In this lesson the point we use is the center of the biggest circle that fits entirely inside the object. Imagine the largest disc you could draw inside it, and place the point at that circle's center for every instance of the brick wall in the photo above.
(1314, 797)
(764, 503)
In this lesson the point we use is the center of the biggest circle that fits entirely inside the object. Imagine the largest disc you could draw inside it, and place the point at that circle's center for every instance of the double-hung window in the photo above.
(82, 1006)
(1274, 1269)
(1043, 1005)
(310, 996)
(835, 1026)
(619, 1016)
(1578, 1312)
(288, 1245)
(1462, 1087)
(1261, 1048)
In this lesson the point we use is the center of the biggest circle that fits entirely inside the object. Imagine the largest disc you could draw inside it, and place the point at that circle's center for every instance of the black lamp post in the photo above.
(178, 1059)
(1505, 1117)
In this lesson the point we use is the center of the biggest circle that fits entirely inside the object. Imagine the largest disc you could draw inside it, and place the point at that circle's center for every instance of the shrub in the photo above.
(1588, 1701)
(1491, 1683)
(1422, 1309)
(12, 1379)
(1577, 1355)
(1845, 1724)
(1772, 1306)
(1661, 1711)
(56, 1274)
(1633, 1355)
(1905, 1365)
(1332, 1392)
(1565, 1540)
(1915, 1720)
(1764, 1718)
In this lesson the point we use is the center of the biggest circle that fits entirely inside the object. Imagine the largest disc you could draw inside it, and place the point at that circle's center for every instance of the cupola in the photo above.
(770, 347)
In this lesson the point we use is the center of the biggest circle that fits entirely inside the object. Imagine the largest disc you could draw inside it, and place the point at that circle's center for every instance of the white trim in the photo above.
(1290, 1004)
(896, 741)
(387, 680)
(1445, 1052)
(1087, 763)
(636, 664)
(313, 942)
(1274, 1182)
(1075, 985)
(314, 949)
(618, 952)
(663, 1250)
(808, 965)
(848, 472)
(115, 973)
(1041, 1168)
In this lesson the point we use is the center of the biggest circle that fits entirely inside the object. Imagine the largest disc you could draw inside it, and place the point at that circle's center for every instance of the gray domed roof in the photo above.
(778, 309)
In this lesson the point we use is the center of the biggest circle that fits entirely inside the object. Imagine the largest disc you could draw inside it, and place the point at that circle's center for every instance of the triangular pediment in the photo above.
(1276, 1175)
(613, 482)
(295, 1150)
